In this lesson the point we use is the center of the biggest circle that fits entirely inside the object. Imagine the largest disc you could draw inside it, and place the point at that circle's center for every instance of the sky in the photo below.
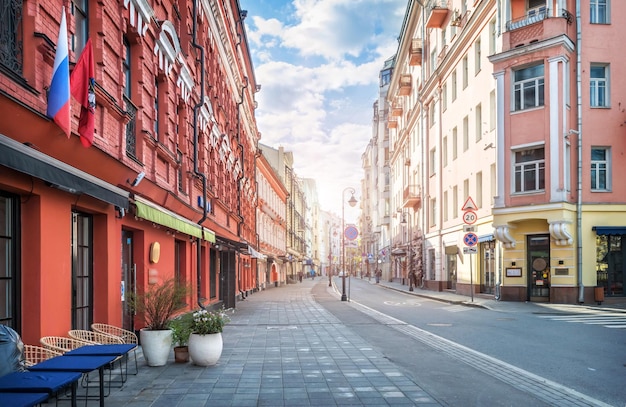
(318, 64)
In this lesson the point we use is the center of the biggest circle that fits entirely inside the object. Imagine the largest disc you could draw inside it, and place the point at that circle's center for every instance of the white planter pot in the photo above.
(156, 346)
(205, 350)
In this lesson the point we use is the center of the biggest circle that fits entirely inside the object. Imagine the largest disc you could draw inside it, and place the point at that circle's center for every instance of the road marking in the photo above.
(553, 393)
(613, 319)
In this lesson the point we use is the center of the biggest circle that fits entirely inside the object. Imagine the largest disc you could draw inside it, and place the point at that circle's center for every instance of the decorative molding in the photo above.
(502, 233)
(560, 234)
(185, 80)
(140, 14)
(167, 47)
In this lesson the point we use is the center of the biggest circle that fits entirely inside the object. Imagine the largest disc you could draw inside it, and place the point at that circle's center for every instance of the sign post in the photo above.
(470, 239)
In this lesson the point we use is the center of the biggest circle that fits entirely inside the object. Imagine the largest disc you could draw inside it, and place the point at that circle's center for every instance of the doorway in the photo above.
(128, 281)
(488, 267)
(539, 268)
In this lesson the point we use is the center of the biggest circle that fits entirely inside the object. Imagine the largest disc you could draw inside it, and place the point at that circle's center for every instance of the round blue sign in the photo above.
(351, 233)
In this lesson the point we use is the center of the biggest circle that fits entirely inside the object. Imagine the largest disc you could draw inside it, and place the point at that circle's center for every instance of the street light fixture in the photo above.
(352, 201)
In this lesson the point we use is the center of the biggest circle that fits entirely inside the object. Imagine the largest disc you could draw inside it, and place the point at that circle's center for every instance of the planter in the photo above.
(205, 350)
(156, 346)
(181, 354)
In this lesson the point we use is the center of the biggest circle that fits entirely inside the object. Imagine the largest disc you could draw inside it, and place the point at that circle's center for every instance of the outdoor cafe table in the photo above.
(22, 399)
(38, 382)
(83, 364)
(113, 349)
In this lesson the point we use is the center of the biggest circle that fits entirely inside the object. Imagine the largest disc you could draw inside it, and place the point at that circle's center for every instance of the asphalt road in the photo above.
(480, 357)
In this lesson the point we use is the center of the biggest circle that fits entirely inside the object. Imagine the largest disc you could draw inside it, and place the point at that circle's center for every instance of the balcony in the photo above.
(396, 109)
(405, 85)
(411, 197)
(392, 124)
(437, 13)
(415, 52)
(536, 24)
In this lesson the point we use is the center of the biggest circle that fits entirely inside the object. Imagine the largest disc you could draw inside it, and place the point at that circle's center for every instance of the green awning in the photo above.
(154, 213)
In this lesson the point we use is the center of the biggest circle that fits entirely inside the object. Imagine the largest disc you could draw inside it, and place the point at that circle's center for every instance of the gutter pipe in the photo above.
(579, 189)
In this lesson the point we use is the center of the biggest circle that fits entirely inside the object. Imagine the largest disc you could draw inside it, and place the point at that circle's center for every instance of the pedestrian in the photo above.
(378, 274)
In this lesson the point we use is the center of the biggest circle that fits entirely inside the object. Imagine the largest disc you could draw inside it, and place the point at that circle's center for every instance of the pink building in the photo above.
(559, 210)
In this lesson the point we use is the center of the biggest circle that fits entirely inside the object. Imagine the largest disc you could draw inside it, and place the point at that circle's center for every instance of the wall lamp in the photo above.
(137, 180)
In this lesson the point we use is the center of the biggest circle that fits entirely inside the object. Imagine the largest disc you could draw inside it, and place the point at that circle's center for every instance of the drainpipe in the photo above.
(197, 173)
(579, 189)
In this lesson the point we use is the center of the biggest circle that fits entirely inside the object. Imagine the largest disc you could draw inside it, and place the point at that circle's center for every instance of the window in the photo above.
(431, 114)
(81, 29)
(479, 122)
(433, 60)
(433, 212)
(529, 170)
(465, 72)
(528, 87)
(479, 189)
(598, 82)
(433, 161)
(455, 202)
(82, 270)
(465, 134)
(453, 86)
(599, 169)
(492, 110)
(9, 277)
(444, 97)
(465, 189)
(11, 36)
(444, 152)
(455, 143)
(492, 37)
(156, 110)
(385, 77)
(599, 11)
(445, 206)
(477, 57)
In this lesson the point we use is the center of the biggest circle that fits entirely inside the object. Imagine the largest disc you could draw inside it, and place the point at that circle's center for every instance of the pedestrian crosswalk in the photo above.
(608, 318)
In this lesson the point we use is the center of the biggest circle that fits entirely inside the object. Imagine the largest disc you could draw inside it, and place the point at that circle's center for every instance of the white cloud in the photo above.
(318, 62)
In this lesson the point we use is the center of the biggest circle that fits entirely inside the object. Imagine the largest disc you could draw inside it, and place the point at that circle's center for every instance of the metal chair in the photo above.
(125, 335)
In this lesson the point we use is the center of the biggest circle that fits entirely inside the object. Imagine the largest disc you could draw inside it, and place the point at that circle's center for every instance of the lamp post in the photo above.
(352, 201)
(330, 255)
(408, 251)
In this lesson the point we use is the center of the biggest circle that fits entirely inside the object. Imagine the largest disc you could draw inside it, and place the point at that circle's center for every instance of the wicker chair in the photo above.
(125, 335)
(93, 337)
(61, 344)
(34, 354)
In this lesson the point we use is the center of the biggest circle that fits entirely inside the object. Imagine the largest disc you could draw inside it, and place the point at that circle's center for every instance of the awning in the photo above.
(25, 159)
(157, 214)
(255, 254)
(609, 230)
(485, 238)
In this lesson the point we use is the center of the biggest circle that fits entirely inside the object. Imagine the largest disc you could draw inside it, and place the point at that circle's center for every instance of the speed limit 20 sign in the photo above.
(469, 217)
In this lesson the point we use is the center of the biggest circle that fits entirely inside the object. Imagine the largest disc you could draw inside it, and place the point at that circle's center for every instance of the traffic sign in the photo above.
(470, 250)
(469, 205)
(470, 239)
(469, 228)
(351, 233)
(469, 217)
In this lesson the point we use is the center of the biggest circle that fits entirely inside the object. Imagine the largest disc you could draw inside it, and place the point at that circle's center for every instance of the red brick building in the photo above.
(166, 190)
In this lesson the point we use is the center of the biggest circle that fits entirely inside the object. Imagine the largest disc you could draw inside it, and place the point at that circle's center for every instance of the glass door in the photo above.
(128, 281)
(539, 268)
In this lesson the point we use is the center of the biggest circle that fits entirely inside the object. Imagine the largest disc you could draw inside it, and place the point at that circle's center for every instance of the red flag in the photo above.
(82, 88)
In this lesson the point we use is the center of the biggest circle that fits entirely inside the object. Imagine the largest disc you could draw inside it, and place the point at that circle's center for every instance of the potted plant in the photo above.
(158, 303)
(181, 329)
(205, 341)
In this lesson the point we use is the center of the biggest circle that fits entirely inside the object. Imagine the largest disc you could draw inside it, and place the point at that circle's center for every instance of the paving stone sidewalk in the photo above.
(281, 349)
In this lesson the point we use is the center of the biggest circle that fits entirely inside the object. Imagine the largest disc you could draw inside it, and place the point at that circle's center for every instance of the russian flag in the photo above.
(59, 92)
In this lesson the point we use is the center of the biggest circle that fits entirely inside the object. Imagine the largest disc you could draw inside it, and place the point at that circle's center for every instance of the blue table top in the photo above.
(113, 349)
(22, 399)
(35, 382)
(63, 363)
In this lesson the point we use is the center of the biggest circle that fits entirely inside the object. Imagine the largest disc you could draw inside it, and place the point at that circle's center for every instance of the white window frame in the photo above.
(601, 169)
(534, 168)
(599, 87)
(533, 84)
(599, 11)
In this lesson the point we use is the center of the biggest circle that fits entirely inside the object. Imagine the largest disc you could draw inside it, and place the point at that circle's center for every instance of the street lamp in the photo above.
(409, 251)
(352, 201)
